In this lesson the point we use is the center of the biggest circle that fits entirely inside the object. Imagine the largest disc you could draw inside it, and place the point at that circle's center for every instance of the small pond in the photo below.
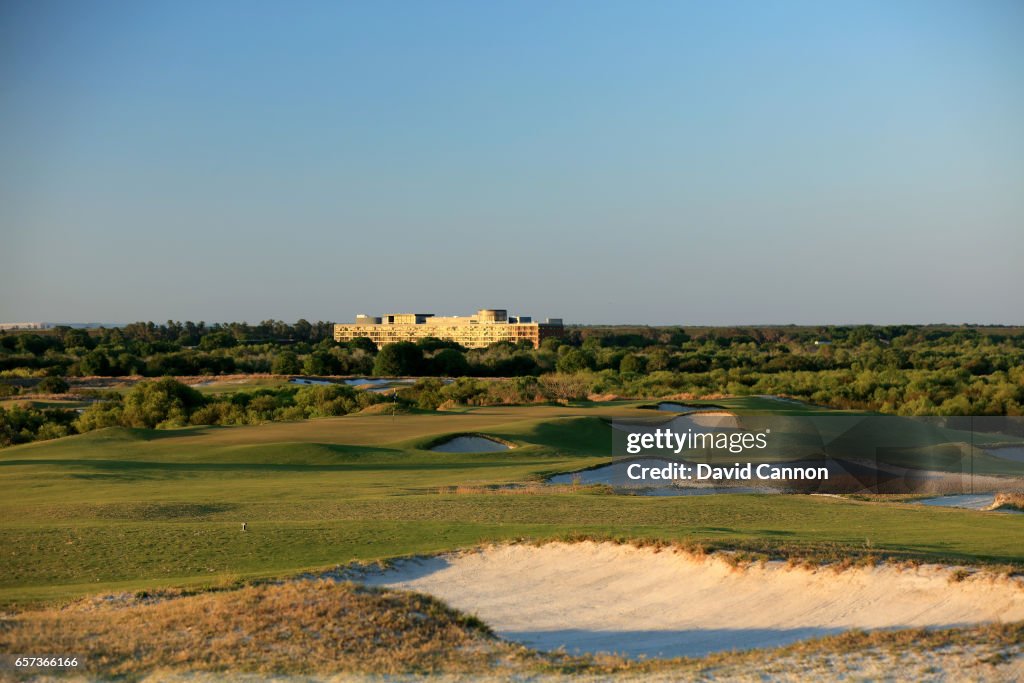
(968, 501)
(1014, 453)
(606, 475)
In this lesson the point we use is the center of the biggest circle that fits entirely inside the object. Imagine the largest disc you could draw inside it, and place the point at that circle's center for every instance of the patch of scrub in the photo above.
(968, 501)
(219, 382)
(604, 597)
(470, 443)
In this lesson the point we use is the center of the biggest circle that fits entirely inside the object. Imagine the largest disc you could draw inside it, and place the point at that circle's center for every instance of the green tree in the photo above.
(95, 363)
(321, 363)
(449, 363)
(217, 340)
(632, 363)
(53, 385)
(463, 390)
(426, 392)
(402, 358)
(150, 404)
(327, 400)
(31, 343)
(99, 415)
(363, 343)
(74, 338)
(434, 344)
(286, 363)
(658, 359)
(575, 360)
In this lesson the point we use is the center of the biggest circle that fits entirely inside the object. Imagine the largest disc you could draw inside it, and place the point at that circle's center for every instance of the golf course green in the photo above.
(128, 509)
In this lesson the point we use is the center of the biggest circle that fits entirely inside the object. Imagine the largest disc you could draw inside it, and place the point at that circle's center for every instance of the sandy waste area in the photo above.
(604, 597)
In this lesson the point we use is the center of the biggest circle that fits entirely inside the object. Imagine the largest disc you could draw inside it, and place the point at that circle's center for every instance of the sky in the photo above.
(646, 162)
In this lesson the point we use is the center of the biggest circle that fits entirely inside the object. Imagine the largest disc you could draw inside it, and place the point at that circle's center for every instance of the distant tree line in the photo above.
(910, 370)
(167, 403)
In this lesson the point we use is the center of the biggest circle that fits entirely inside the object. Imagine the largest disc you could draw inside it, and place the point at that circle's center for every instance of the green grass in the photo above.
(764, 404)
(126, 509)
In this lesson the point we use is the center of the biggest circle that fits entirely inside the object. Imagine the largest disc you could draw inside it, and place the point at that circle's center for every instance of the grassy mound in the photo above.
(298, 627)
(389, 409)
(323, 629)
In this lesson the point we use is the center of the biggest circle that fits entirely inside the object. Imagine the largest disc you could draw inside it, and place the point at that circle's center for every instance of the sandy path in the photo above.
(591, 597)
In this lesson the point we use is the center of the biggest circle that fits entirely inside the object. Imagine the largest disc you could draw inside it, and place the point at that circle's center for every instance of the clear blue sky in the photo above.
(630, 162)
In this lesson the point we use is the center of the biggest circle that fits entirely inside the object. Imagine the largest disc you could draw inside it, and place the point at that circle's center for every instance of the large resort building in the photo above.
(488, 326)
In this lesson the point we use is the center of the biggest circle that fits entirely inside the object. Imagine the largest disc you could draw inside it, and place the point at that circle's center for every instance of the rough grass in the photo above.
(529, 489)
(389, 409)
(311, 628)
(1013, 500)
(85, 548)
(296, 627)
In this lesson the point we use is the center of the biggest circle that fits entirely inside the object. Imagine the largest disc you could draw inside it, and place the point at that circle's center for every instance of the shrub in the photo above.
(53, 385)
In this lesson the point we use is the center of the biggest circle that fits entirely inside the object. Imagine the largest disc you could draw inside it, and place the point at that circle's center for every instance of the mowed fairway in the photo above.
(128, 509)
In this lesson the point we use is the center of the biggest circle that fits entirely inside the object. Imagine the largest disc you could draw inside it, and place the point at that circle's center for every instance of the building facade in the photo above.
(4, 327)
(487, 326)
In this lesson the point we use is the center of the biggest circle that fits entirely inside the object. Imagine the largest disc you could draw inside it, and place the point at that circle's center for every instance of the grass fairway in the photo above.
(127, 509)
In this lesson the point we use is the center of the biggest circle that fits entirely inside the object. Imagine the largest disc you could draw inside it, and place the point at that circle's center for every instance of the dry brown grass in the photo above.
(686, 396)
(295, 627)
(603, 398)
(386, 409)
(323, 628)
(1009, 500)
(101, 381)
(530, 489)
(1007, 634)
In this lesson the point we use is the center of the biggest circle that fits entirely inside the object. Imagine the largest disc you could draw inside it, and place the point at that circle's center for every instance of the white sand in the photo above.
(591, 597)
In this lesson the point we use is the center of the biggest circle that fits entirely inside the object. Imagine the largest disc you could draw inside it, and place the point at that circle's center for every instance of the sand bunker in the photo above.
(602, 597)
(470, 444)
